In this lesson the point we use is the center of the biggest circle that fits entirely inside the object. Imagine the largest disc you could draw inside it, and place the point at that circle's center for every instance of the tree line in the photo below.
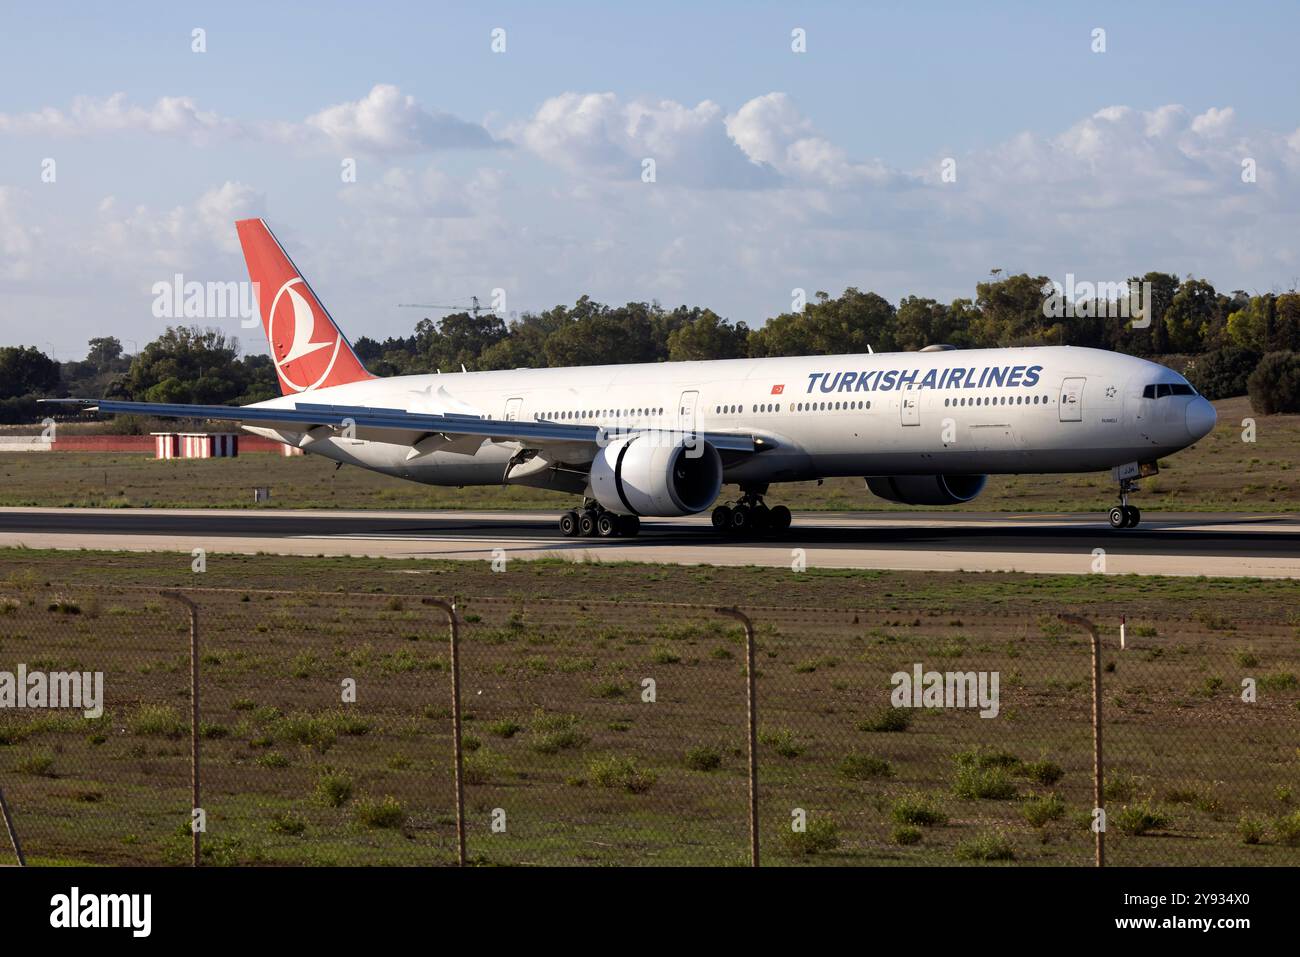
(1233, 343)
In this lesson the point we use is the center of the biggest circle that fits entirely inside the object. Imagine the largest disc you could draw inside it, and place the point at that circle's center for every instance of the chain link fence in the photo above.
(610, 733)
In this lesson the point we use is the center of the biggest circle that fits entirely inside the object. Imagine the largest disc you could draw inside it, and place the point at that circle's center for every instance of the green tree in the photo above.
(849, 323)
(1190, 315)
(707, 336)
(25, 370)
(188, 364)
(1012, 313)
(1274, 386)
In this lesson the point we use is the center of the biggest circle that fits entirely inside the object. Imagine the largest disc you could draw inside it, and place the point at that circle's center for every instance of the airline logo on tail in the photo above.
(296, 332)
(307, 347)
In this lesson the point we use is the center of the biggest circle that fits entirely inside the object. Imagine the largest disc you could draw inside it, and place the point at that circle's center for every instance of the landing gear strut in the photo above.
(593, 519)
(1125, 515)
(750, 514)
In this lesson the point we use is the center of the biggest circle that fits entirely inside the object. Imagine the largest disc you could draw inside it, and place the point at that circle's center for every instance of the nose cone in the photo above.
(1201, 418)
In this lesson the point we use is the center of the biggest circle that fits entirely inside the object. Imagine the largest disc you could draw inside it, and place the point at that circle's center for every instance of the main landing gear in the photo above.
(1125, 515)
(749, 515)
(595, 521)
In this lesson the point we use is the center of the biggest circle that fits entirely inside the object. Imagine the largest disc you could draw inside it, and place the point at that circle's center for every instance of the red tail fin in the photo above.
(307, 346)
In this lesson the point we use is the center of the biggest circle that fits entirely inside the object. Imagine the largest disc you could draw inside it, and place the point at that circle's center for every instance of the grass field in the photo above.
(1221, 473)
(563, 747)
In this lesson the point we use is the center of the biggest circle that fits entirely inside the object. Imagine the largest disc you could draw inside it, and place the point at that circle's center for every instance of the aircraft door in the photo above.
(512, 409)
(686, 411)
(911, 407)
(1072, 399)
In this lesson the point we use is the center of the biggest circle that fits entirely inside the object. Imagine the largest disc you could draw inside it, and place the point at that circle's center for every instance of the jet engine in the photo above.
(656, 474)
(927, 489)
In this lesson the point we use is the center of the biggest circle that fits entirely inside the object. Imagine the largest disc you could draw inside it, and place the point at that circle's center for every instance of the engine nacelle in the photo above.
(645, 475)
(927, 489)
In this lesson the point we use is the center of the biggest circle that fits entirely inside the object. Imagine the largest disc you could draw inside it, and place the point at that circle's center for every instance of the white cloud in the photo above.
(384, 121)
(169, 115)
(596, 133)
(387, 121)
(771, 130)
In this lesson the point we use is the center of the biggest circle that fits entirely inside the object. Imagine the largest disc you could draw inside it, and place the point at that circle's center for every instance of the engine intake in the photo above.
(927, 489)
(645, 475)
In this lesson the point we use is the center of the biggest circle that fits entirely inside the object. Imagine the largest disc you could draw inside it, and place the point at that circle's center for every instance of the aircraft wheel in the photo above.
(1134, 516)
(779, 518)
(1118, 517)
(629, 526)
(569, 524)
(722, 518)
(759, 518)
(607, 525)
(740, 519)
(587, 524)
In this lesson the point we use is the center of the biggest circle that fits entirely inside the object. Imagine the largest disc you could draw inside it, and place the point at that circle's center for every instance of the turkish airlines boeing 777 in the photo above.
(661, 439)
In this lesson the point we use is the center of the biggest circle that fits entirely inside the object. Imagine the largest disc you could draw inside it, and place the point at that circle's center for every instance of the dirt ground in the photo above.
(604, 711)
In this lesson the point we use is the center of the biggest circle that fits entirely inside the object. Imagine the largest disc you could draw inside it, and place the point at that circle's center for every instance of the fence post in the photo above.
(457, 749)
(13, 833)
(1098, 796)
(752, 708)
(195, 804)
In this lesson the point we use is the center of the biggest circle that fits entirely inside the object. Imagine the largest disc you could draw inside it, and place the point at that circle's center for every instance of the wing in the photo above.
(422, 432)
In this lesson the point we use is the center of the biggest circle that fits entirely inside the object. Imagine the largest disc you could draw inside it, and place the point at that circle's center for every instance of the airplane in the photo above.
(653, 440)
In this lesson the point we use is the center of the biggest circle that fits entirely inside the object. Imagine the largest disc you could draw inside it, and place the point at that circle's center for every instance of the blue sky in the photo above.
(775, 169)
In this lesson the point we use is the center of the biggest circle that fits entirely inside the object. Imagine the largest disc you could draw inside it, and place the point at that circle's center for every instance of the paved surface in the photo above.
(1223, 544)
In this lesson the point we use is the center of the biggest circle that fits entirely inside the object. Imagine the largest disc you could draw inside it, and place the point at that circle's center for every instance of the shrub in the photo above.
(820, 834)
(1251, 829)
(886, 721)
(1287, 829)
(334, 788)
(618, 771)
(1043, 772)
(704, 759)
(159, 719)
(384, 813)
(1121, 786)
(38, 765)
(286, 822)
(505, 728)
(991, 784)
(1039, 811)
(782, 741)
(986, 847)
(906, 835)
(915, 808)
(1274, 386)
(984, 758)
(1222, 373)
(1140, 818)
(862, 767)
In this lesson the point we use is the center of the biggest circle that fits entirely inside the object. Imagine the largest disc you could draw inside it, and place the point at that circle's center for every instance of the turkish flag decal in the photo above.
(778, 389)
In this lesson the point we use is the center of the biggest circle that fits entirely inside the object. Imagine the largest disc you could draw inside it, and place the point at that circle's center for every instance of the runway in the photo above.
(1222, 544)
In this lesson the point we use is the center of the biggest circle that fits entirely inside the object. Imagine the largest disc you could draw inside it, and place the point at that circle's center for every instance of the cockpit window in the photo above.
(1161, 389)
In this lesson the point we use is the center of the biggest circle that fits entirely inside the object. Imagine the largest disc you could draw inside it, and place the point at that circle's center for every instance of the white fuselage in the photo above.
(971, 411)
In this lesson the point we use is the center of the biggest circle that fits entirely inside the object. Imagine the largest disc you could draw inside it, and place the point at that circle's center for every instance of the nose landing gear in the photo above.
(1125, 515)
